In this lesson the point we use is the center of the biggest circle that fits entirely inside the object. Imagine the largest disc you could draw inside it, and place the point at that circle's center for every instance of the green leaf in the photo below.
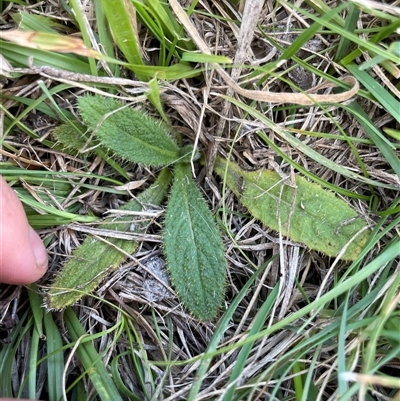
(91, 360)
(170, 73)
(73, 138)
(205, 58)
(55, 357)
(19, 56)
(306, 213)
(121, 18)
(384, 97)
(92, 260)
(383, 144)
(194, 248)
(350, 26)
(131, 134)
(395, 134)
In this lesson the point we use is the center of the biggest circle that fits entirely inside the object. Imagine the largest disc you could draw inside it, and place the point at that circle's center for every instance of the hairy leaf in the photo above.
(131, 134)
(305, 213)
(194, 248)
(73, 137)
(92, 260)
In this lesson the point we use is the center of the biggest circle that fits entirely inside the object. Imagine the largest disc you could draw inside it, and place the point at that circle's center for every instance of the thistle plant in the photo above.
(193, 244)
(194, 250)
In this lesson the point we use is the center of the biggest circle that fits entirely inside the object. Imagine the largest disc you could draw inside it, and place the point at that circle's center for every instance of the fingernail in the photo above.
(38, 250)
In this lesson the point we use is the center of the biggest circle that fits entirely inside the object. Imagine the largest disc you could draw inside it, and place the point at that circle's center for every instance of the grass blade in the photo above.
(245, 351)
(350, 25)
(91, 360)
(294, 141)
(382, 95)
(80, 18)
(218, 334)
(365, 45)
(380, 141)
(121, 17)
(55, 358)
(8, 353)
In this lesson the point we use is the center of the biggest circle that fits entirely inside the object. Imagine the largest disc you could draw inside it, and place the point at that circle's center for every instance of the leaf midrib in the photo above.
(192, 231)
